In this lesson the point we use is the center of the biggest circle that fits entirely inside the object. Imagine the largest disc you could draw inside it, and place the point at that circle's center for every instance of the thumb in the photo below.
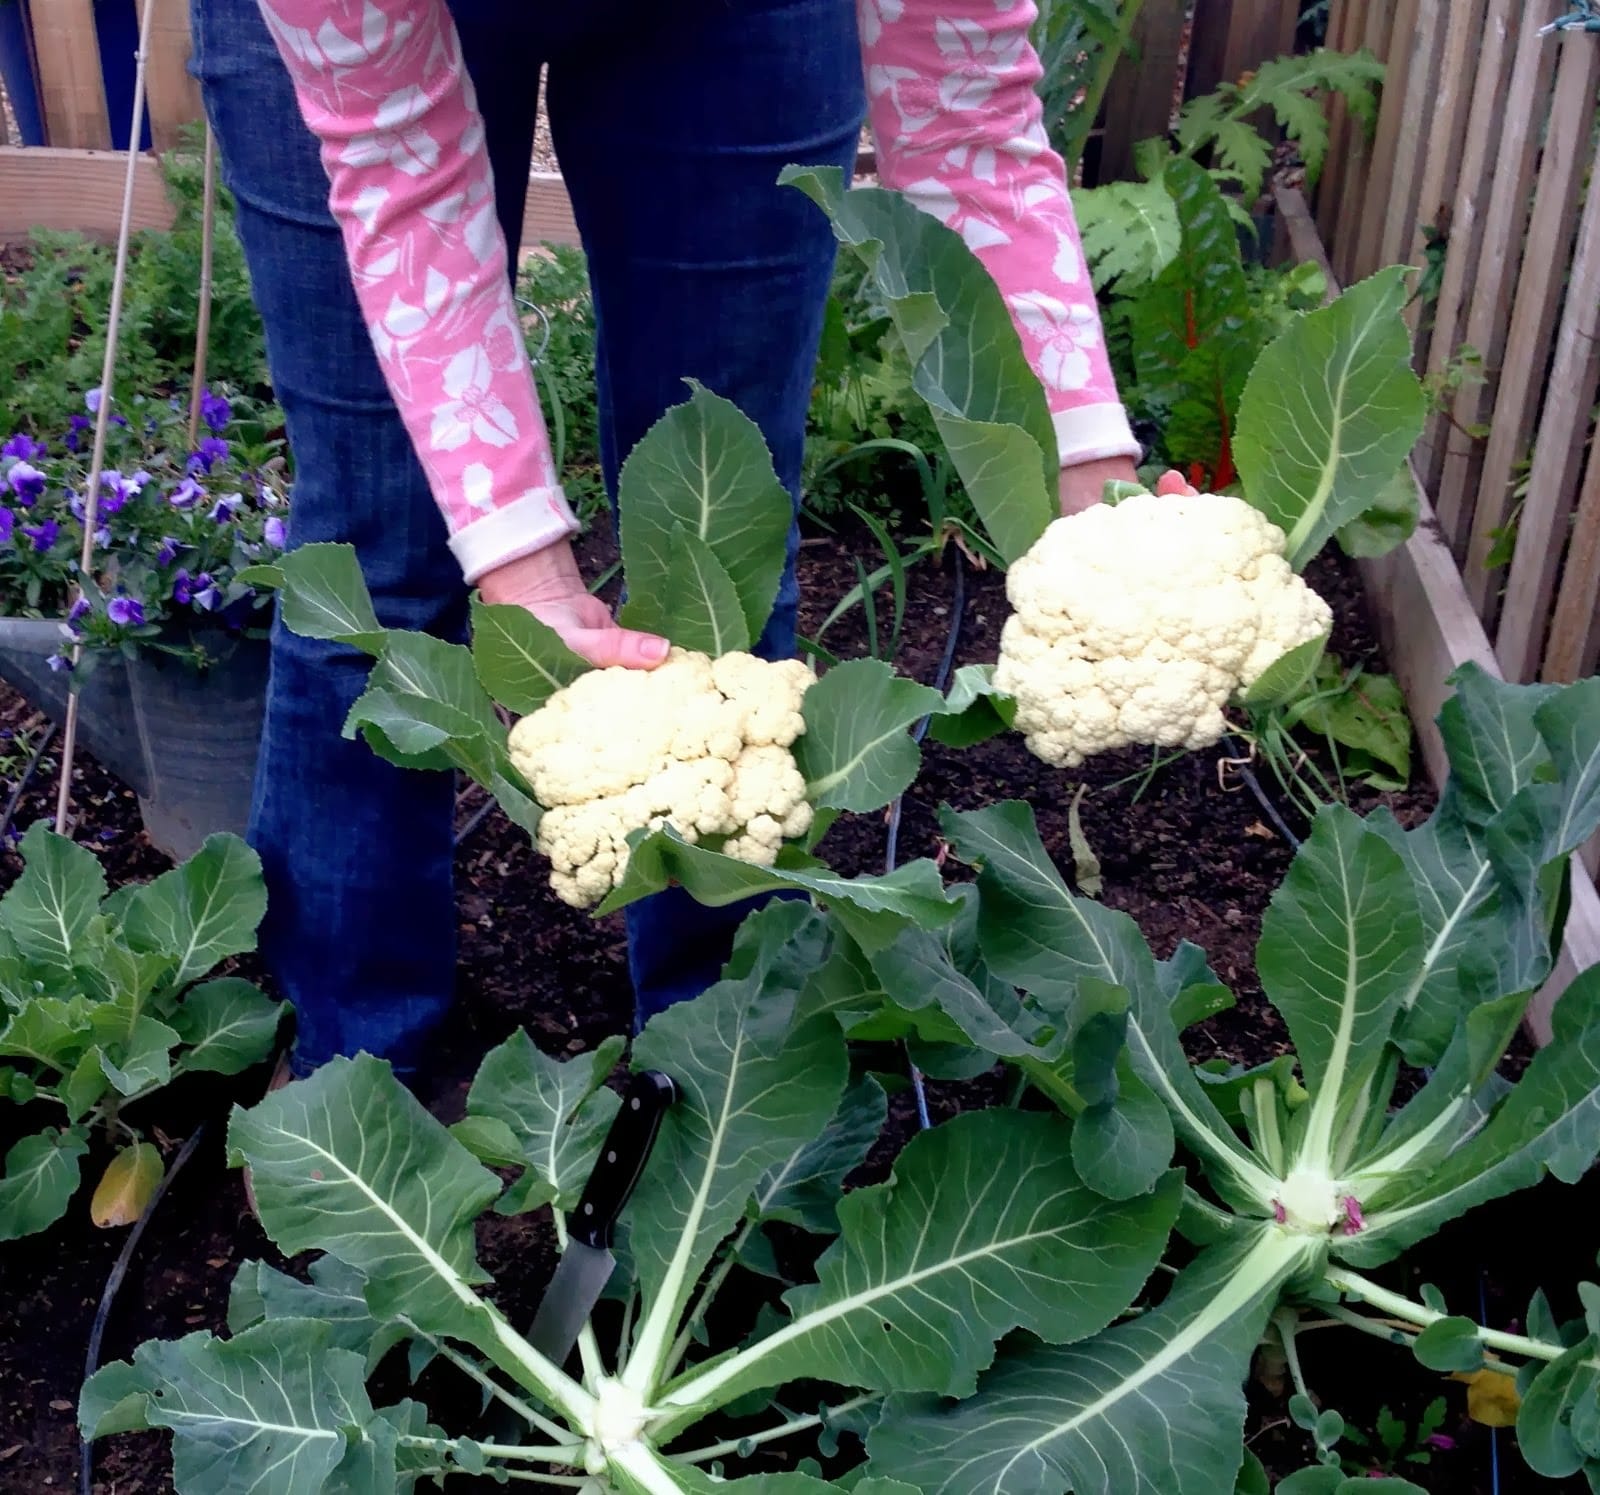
(1171, 483)
(606, 647)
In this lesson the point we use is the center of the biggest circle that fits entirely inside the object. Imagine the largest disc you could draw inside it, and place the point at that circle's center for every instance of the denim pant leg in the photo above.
(703, 267)
(360, 928)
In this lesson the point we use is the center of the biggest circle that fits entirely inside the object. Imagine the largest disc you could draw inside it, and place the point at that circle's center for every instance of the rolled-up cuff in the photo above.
(539, 518)
(1093, 433)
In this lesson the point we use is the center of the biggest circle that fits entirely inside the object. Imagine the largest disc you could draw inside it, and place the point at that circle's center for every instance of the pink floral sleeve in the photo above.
(958, 129)
(382, 85)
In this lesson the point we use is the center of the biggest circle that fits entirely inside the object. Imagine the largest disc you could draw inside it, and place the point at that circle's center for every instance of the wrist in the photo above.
(544, 574)
(1083, 483)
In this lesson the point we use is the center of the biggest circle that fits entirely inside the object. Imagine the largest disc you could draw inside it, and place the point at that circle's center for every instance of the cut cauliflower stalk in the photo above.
(698, 744)
(1138, 623)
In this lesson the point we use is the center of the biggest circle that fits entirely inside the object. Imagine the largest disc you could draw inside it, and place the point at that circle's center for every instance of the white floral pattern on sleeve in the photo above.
(958, 129)
(381, 83)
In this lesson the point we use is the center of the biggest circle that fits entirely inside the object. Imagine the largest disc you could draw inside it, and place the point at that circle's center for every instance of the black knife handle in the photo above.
(623, 1155)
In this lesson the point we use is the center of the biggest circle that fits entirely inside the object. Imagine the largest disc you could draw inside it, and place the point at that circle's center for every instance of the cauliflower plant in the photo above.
(1138, 623)
(700, 744)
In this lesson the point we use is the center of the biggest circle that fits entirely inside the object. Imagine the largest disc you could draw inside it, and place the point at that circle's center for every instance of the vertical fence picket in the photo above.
(1139, 101)
(1478, 161)
(1558, 449)
(1505, 225)
(1344, 25)
(1446, 113)
(1566, 160)
(1382, 173)
(71, 90)
(1419, 94)
(173, 96)
(1574, 648)
(1377, 27)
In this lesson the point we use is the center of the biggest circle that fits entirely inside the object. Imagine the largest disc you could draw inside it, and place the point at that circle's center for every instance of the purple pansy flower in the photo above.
(42, 535)
(215, 410)
(168, 553)
(212, 450)
(125, 612)
(8, 523)
(197, 591)
(116, 490)
(76, 426)
(59, 662)
(92, 401)
(27, 482)
(24, 448)
(78, 611)
(186, 495)
(275, 532)
(227, 508)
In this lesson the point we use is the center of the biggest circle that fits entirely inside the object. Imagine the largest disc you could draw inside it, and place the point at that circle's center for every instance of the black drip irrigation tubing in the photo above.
(17, 792)
(91, 1360)
(941, 683)
(1262, 798)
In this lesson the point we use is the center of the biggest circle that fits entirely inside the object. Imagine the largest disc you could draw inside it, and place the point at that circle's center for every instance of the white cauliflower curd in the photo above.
(1137, 623)
(700, 744)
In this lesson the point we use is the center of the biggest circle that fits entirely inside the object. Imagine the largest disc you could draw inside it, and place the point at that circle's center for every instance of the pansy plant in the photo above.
(174, 526)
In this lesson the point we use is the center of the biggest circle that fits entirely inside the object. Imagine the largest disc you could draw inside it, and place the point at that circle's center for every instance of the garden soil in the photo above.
(1188, 851)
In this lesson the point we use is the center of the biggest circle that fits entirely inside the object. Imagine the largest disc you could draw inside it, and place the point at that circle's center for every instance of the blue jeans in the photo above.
(672, 119)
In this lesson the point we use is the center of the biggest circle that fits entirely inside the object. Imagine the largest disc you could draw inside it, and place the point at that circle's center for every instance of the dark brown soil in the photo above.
(1185, 857)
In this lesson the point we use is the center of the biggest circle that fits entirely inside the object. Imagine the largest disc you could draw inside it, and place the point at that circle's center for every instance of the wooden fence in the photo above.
(1481, 171)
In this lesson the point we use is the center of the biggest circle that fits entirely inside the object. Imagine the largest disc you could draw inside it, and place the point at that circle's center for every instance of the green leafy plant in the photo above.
(1394, 1442)
(989, 1318)
(1130, 229)
(103, 1003)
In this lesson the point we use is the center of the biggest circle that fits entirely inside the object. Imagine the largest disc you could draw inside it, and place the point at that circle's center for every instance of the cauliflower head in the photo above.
(700, 744)
(1137, 623)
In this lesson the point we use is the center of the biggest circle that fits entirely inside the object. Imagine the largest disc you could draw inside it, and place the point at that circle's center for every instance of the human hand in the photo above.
(550, 586)
(1083, 483)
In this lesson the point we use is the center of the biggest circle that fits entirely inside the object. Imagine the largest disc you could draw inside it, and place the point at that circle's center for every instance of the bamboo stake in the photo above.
(202, 330)
(91, 500)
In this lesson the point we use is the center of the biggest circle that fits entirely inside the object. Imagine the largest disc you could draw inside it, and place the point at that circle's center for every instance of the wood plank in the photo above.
(1475, 180)
(1556, 202)
(172, 96)
(71, 92)
(1452, 102)
(1421, 91)
(1429, 629)
(1505, 227)
(75, 191)
(547, 217)
(1398, 98)
(1563, 424)
(1139, 101)
(1574, 647)
(1345, 25)
(1377, 28)
(1230, 37)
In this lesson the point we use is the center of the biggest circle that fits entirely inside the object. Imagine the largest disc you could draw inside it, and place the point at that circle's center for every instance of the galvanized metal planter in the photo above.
(185, 741)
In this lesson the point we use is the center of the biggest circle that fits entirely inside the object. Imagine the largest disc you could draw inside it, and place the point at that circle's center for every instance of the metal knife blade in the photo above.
(587, 1263)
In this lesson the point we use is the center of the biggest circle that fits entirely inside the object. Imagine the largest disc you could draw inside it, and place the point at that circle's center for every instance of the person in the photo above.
(378, 154)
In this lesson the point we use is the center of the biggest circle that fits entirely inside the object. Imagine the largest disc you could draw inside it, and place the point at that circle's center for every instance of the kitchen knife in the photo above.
(587, 1263)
